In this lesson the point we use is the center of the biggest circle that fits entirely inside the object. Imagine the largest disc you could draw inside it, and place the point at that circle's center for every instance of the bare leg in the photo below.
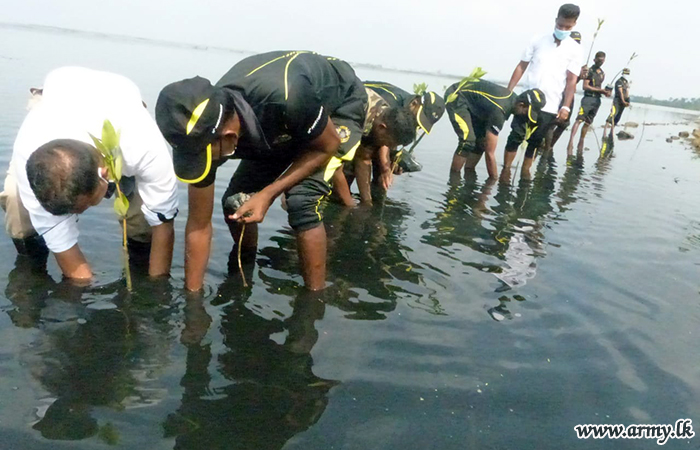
(508, 159)
(584, 131)
(525, 169)
(341, 188)
(491, 165)
(574, 129)
(472, 159)
(311, 245)
(457, 163)
(605, 130)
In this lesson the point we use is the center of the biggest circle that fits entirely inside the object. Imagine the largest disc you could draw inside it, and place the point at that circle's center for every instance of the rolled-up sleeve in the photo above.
(153, 169)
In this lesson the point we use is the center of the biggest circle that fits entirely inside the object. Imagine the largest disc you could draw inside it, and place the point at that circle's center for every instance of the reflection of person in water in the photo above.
(461, 217)
(28, 302)
(272, 393)
(522, 230)
(509, 229)
(367, 249)
(569, 185)
(86, 357)
(367, 244)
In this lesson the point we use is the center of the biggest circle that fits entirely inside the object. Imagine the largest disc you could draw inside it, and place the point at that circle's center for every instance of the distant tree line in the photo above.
(684, 103)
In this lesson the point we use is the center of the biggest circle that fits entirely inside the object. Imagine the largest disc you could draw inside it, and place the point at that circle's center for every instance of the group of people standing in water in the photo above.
(304, 128)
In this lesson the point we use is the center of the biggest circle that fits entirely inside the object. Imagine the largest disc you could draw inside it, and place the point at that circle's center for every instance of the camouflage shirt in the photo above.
(375, 106)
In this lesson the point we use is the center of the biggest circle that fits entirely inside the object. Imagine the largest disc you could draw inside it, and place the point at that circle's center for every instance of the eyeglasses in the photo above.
(111, 185)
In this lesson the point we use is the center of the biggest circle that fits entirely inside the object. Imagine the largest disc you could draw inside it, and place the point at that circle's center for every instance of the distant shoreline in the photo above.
(173, 44)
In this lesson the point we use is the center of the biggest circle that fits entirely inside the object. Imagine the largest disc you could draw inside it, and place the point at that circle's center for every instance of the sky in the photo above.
(451, 36)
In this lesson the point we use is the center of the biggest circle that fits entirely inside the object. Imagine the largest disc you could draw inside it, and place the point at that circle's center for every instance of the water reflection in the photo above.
(369, 265)
(570, 184)
(504, 222)
(272, 394)
(97, 347)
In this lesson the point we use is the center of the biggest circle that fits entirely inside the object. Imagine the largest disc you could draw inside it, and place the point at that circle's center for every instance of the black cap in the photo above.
(576, 36)
(189, 113)
(431, 109)
(536, 99)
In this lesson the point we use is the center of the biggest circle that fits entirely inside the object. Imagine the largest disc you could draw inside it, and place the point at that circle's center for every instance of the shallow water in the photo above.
(460, 314)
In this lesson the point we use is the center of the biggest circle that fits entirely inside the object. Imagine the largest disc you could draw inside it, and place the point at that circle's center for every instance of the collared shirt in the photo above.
(75, 103)
(595, 78)
(549, 65)
(292, 95)
(487, 102)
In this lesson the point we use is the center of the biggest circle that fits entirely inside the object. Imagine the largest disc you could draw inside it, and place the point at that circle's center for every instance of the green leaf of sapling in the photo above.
(121, 205)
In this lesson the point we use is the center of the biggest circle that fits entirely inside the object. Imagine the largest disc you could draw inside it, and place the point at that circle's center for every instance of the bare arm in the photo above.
(317, 155)
(161, 249)
(363, 173)
(387, 175)
(571, 80)
(198, 233)
(517, 74)
(583, 74)
(341, 188)
(73, 264)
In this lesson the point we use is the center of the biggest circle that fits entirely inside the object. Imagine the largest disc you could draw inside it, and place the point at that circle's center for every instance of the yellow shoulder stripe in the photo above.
(382, 87)
(489, 97)
(286, 55)
(462, 126)
(286, 73)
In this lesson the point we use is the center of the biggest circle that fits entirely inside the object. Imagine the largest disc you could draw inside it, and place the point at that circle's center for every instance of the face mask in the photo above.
(625, 77)
(560, 34)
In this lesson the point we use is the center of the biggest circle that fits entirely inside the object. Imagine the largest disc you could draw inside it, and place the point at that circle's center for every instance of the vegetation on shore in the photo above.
(683, 103)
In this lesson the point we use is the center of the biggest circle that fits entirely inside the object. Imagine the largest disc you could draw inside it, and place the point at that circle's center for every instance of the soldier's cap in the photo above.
(625, 71)
(190, 114)
(576, 36)
(536, 100)
(432, 106)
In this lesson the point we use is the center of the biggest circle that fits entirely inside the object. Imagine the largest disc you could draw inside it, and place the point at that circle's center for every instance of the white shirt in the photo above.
(75, 102)
(549, 64)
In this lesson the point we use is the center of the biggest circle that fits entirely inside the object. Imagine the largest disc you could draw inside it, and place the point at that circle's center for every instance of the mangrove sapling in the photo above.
(109, 147)
(234, 202)
(634, 56)
(475, 76)
(595, 35)
(419, 89)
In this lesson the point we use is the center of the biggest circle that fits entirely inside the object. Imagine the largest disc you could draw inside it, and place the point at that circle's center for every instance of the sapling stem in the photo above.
(240, 265)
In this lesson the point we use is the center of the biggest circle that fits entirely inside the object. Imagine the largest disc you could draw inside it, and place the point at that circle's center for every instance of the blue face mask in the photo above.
(560, 34)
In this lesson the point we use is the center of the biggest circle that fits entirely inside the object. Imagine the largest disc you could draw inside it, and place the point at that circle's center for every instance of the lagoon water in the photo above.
(459, 315)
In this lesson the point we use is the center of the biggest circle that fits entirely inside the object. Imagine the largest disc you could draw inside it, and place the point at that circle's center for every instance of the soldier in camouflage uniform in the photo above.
(385, 128)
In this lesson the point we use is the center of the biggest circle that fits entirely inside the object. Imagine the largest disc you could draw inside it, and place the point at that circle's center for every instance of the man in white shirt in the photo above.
(56, 173)
(553, 63)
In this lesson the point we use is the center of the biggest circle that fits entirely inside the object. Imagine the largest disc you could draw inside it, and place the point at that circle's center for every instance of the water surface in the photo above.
(460, 313)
